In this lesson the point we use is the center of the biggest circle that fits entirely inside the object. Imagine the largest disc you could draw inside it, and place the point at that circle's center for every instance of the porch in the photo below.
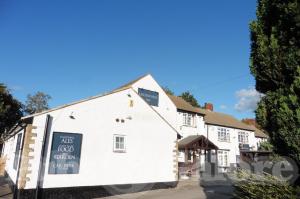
(197, 152)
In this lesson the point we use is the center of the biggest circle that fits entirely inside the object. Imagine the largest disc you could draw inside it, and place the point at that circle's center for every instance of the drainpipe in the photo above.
(42, 163)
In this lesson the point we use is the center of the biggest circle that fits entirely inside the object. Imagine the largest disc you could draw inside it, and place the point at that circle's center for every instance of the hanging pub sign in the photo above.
(151, 97)
(65, 153)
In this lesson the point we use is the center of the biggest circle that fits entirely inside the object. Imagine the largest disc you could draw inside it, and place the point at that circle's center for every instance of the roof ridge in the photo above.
(129, 84)
(124, 87)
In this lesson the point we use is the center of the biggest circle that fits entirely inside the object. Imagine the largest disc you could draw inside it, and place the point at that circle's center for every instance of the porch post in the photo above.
(186, 153)
(217, 163)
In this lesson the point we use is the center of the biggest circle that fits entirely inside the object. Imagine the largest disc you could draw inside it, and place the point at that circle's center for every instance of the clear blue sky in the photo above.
(75, 49)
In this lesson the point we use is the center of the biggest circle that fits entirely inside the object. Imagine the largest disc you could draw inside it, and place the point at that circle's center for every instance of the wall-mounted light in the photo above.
(72, 116)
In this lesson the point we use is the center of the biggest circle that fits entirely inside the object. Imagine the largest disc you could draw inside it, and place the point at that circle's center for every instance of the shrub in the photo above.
(262, 186)
(266, 146)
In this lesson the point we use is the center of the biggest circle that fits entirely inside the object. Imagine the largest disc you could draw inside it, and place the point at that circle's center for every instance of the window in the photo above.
(119, 143)
(17, 152)
(223, 135)
(243, 137)
(188, 119)
(223, 158)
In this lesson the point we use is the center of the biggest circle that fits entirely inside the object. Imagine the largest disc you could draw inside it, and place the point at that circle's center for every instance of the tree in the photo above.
(187, 96)
(275, 64)
(37, 103)
(265, 146)
(10, 110)
(167, 90)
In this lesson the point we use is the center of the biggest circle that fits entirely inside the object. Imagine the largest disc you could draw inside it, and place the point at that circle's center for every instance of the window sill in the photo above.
(223, 166)
(190, 126)
(224, 141)
(119, 151)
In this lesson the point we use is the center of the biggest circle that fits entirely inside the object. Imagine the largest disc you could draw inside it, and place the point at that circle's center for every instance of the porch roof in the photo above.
(196, 142)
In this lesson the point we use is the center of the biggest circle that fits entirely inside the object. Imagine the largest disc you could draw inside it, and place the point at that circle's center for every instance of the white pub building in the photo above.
(136, 136)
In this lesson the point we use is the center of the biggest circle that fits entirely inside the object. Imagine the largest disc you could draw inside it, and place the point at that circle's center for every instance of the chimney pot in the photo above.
(209, 106)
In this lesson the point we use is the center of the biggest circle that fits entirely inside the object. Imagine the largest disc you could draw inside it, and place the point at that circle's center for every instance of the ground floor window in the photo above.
(223, 158)
(119, 143)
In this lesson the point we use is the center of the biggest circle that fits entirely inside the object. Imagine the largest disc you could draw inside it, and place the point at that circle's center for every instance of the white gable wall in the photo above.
(150, 142)
(165, 106)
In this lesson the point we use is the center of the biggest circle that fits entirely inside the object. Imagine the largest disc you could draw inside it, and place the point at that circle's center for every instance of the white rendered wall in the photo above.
(9, 153)
(149, 143)
(185, 131)
(233, 145)
(166, 107)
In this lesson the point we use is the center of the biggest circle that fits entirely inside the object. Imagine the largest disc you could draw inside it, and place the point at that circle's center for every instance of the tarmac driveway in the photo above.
(184, 190)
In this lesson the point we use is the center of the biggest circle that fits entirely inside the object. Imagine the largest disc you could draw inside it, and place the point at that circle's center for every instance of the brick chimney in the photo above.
(209, 106)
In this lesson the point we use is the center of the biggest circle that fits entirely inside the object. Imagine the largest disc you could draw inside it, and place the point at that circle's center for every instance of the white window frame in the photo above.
(243, 137)
(117, 144)
(188, 119)
(223, 156)
(223, 134)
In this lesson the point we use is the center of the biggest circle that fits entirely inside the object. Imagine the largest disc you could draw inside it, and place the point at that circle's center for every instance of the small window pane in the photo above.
(119, 143)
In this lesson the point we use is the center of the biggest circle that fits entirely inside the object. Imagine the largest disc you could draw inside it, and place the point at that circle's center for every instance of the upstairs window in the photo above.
(151, 97)
(243, 137)
(188, 119)
(119, 143)
(223, 135)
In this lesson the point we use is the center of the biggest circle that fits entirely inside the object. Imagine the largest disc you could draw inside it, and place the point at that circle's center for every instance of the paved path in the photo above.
(5, 191)
(184, 190)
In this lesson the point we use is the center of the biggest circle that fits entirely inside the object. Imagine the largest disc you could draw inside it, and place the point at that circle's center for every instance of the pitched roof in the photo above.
(260, 133)
(210, 117)
(190, 140)
(222, 119)
(73, 103)
(129, 84)
(181, 104)
(121, 88)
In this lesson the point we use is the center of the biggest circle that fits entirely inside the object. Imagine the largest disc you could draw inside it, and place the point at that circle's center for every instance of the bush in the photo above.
(264, 186)
(266, 146)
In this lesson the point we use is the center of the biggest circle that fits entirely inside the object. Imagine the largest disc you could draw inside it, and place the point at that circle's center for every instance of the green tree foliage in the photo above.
(262, 186)
(168, 90)
(275, 64)
(265, 146)
(37, 103)
(10, 110)
(187, 96)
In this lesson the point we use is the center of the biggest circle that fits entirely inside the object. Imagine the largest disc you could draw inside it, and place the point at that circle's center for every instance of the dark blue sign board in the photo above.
(151, 97)
(65, 153)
